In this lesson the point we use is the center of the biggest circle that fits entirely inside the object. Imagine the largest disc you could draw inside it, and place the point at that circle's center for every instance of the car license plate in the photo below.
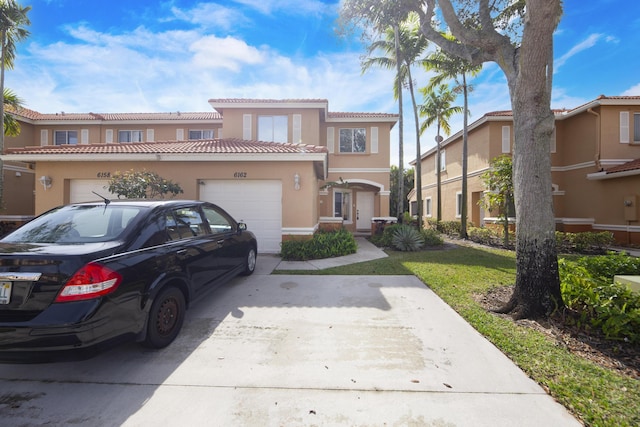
(5, 292)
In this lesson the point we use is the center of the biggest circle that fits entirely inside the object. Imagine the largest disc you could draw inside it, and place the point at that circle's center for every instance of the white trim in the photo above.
(617, 227)
(359, 170)
(297, 128)
(331, 139)
(246, 126)
(374, 140)
(573, 167)
(362, 120)
(44, 137)
(597, 176)
(624, 127)
(458, 204)
(298, 231)
(506, 139)
(251, 104)
(84, 136)
(364, 181)
(152, 157)
(576, 221)
(14, 168)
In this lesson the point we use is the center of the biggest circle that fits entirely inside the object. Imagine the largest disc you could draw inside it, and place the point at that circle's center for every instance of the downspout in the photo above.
(598, 139)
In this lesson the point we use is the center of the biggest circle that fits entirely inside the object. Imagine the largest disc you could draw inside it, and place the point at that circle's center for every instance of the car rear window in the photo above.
(77, 224)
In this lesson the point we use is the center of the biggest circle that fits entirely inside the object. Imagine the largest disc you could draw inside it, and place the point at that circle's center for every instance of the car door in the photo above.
(225, 232)
(195, 246)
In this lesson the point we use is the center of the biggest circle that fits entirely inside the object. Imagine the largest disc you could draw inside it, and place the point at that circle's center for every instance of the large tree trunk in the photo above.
(537, 289)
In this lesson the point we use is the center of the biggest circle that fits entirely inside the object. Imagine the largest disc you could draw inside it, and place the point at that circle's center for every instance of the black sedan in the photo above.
(86, 275)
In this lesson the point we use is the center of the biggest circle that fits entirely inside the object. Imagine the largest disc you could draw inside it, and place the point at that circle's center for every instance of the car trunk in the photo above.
(32, 275)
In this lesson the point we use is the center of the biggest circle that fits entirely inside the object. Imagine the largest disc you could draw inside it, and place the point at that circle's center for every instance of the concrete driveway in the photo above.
(293, 351)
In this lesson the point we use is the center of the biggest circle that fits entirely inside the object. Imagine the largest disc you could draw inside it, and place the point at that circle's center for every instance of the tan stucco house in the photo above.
(285, 167)
(595, 165)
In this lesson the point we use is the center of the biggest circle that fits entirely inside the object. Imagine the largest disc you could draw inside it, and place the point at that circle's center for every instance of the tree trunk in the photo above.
(465, 149)
(418, 177)
(400, 207)
(438, 175)
(537, 288)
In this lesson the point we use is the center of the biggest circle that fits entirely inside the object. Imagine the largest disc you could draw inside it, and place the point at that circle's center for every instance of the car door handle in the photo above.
(220, 242)
(181, 252)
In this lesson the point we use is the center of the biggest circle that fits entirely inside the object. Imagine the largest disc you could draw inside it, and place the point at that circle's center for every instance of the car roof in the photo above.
(141, 202)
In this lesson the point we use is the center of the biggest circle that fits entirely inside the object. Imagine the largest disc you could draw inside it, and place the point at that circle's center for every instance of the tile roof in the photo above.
(339, 115)
(34, 115)
(210, 146)
(625, 167)
(264, 101)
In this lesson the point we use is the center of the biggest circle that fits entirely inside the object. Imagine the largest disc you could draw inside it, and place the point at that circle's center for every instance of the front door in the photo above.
(364, 210)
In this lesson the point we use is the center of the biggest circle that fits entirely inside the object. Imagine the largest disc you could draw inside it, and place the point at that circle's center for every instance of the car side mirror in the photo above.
(242, 226)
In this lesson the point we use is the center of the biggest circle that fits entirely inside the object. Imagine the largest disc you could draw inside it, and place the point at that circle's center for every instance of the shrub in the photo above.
(324, 244)
(584, 243)
(384, 240)
(407, 238)
(432, 237)
(588, 289)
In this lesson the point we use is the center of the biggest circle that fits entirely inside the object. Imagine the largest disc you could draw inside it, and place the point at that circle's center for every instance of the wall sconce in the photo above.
(45, 181)
(296, 181)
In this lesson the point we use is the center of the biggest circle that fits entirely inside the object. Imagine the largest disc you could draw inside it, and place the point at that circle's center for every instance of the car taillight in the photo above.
(91, 281)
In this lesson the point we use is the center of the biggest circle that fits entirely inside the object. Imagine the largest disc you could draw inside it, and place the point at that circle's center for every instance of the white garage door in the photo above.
(256, 203)
(81, 190)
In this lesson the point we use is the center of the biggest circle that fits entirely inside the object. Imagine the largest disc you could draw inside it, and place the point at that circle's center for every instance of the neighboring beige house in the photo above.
(285, 167)
(595, 165)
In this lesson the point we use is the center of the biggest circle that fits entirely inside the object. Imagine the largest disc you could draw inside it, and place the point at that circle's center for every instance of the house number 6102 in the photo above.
(240, 175)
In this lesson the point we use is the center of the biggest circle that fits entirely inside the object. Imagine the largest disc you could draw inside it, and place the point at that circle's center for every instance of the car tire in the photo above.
(249, 262)
(165, 318)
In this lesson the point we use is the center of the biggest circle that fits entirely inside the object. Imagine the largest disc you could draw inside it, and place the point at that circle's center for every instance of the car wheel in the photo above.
(249, 262)
(165, 318)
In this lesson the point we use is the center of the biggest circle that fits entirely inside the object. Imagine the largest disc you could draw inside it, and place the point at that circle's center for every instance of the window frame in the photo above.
(353, 138)
(275, 130)
(202, 134)
(349, 216)
(131, 134)
(67, 137)
(636, 128)
(428, 207)
(458, 204)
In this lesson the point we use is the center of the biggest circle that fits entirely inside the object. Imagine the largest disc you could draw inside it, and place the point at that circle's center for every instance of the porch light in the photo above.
(45, 181)
(296, 181)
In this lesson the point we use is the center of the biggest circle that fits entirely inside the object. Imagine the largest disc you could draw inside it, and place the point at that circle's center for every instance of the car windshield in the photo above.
(77, 224)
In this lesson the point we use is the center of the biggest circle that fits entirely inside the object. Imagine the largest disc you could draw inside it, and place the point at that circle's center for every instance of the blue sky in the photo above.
(152, 56)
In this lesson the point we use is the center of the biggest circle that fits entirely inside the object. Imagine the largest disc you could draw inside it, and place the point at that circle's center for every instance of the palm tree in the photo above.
(11, 125)
(402, 44)
(437, 109)
(449, 67)
(13, 18)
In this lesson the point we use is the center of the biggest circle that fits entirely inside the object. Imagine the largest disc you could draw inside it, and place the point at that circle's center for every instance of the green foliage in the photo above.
(407, 239)
(584, 243)
(324, 244)
(450, 228)
(384, 240)
(142, 185)
(407, 186)
(431, 237)
(587, 290)
(499, 179)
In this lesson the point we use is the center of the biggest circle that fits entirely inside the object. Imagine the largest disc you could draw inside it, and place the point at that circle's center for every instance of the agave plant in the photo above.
(407, 239)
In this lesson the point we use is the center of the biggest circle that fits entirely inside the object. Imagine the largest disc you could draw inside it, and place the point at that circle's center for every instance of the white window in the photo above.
(427, 207)
(130, 136)
(506, 139)
(353, 140)
(201, 134)
(62, 137)
(458, 204)
(636, 127)
(342, 205)
(273, 128)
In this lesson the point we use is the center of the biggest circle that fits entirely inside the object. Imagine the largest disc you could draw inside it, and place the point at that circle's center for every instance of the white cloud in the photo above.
(229, 53)
(210, 15)
(588, 43)
(632, 91)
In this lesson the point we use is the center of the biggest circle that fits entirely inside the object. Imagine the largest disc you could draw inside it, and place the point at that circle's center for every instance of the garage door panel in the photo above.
(256, 203)
(81, 190)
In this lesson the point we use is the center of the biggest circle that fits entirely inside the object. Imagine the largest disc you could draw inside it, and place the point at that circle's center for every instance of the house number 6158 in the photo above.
(240, 175)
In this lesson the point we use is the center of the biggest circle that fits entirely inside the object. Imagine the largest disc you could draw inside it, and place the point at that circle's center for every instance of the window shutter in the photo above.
(624, 127)
(109, 136)
(179, 134)
(297, 128)
(84, 136)
(506, 139)
(44, 137)
(553, 140)
(374, 140)
(220, 133)
(246, 127)
(331, 139)
(443, 160)
(150, 135)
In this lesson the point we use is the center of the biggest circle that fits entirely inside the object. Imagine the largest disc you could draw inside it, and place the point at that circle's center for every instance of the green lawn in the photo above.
(598, 396)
